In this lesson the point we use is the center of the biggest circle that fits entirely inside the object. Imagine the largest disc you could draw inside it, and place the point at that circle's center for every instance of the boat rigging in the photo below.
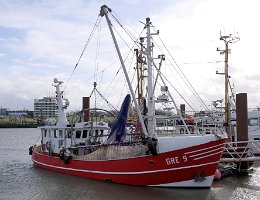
(116, 153)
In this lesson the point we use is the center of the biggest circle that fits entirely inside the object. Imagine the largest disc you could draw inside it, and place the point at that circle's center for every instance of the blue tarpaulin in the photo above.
(118, 129)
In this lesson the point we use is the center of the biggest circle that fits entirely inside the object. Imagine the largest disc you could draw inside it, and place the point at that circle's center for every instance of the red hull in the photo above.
(188, 167)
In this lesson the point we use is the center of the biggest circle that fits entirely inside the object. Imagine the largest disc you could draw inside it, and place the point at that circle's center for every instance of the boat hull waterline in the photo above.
(193, 166)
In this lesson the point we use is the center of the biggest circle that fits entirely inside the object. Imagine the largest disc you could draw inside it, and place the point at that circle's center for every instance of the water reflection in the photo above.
(61, 186)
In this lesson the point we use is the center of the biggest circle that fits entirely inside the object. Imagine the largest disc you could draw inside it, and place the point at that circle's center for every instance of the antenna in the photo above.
(227, 39)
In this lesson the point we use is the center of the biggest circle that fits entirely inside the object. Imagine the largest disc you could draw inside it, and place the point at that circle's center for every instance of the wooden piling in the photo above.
(85, 107)
(182, 109)
(242, 127)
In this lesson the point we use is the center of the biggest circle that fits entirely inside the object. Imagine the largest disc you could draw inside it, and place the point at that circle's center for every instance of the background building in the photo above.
(6, 113)
(3, 112)
(46, 107)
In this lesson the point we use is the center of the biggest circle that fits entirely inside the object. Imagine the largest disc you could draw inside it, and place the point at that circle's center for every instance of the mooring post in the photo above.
(182, 109)
(242, 129)
(85, 108)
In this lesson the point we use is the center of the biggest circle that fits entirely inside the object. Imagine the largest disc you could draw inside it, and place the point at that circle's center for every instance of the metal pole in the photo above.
(227, 39)
(227, 105)
(104, 10)
(150, 97)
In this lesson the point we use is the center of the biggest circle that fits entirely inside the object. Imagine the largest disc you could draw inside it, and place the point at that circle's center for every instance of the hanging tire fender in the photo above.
(30, 150)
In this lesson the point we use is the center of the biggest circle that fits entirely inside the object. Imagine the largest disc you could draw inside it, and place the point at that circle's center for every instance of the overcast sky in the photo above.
(43, 39)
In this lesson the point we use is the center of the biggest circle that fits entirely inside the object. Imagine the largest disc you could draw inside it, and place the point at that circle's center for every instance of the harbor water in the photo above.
(20, 180)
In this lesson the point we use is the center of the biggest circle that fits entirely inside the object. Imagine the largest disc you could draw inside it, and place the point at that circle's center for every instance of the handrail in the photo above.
(241, 151)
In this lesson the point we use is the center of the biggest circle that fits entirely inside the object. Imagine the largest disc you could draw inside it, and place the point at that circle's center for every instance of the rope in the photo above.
(133, 38)
(106, 100)
(125, 83)
(130, 50)
(97, 53)
(177, 91)
(186, 81)
(91, 34)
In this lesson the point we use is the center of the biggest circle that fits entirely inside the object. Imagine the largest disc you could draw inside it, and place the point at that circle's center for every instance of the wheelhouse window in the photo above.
(55, 133)
(45, 133)
(85, 133)
(60, 134)
(253, 122)
(78, 134)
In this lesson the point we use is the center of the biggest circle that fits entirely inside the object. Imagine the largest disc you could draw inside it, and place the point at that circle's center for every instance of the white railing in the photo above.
(241, 151)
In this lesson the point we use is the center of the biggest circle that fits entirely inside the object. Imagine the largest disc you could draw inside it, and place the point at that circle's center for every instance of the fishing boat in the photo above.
(254, 129)
(95, 150)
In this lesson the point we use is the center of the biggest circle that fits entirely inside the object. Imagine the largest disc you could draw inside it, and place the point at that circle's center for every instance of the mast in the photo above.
(140, 61)
(151, 122)
(227, 39)
(62, 120)
(139, 95)
(103, 12)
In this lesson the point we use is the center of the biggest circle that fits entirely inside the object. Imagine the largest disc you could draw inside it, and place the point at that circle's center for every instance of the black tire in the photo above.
(30, 150)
